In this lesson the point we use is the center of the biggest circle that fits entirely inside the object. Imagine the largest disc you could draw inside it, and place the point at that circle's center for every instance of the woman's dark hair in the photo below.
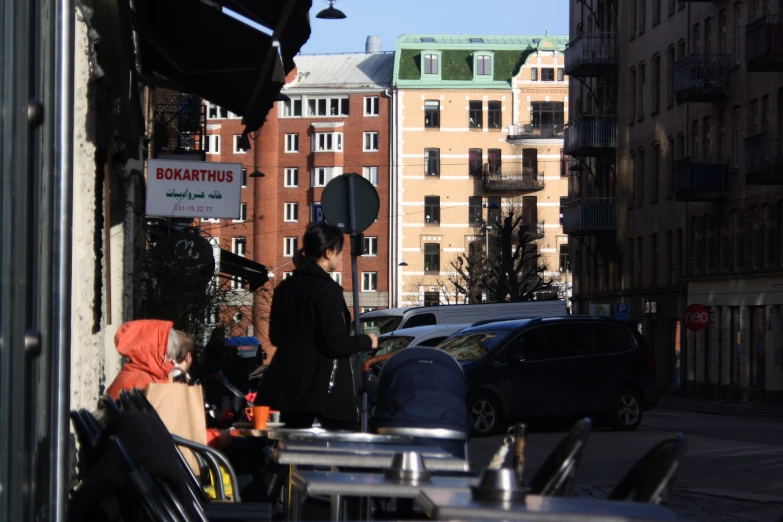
(317, 239)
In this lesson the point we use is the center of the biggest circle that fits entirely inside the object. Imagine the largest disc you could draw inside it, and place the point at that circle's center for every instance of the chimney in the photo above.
(373, 44)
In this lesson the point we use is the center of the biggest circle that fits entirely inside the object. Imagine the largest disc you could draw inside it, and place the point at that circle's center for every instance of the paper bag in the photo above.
(181, 407)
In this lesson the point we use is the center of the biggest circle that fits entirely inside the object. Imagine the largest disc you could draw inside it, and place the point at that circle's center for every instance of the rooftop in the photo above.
(355, 70)
(479, 41)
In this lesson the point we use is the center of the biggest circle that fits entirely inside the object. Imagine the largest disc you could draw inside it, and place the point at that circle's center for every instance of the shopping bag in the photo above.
(181, 407)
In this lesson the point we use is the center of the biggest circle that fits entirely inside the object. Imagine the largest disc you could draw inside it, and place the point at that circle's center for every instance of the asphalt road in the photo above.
(730, 459)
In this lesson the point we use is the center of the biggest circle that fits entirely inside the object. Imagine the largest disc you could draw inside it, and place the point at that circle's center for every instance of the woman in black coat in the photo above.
(310, 375)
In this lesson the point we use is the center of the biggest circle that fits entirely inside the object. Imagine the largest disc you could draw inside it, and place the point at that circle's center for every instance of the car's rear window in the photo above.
(474, 346)
(392, 344)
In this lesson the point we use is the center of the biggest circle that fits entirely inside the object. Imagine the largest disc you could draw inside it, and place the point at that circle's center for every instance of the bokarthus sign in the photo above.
(193, 189)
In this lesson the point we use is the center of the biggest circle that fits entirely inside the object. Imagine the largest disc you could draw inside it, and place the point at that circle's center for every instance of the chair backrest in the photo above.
(652, 476)
(556, 476)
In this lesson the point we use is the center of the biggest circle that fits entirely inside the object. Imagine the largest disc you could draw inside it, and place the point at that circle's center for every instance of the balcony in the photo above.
(764, 159)
(532, 133)
(591, 135)
(524, 180)
(701, 179)
(764, 44)
(702, 78)
(591, 54)
(590, 217)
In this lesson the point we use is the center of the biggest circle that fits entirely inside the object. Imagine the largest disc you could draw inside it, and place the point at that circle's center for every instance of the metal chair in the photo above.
(652, 477)
(556, 476)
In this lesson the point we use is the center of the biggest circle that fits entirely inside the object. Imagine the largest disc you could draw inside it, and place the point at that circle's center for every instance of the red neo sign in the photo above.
(697, 317)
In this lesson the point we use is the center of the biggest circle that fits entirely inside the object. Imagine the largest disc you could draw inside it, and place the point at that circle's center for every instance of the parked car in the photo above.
(431, 336)
(385, 321)
(558, 366)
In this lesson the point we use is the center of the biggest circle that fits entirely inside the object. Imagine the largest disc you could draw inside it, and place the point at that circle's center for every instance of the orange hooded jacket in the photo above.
(144, 343)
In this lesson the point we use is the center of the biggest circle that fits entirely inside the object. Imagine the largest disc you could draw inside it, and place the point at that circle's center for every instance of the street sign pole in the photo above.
(350, 187)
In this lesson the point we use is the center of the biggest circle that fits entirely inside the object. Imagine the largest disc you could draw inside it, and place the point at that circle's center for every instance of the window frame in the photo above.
(343, 106)
(291, 212)
(374, 106)
(290, 105)
(329, 173)
(370, 246)
(237, 150)
(375, 140)
(290, 246)
(432, 205)
(369, 281)
(431, 162)
(432, 114)
(473, 112)
(431, 258)
(483, 65)
(475, 166)
(428, 54)
(547, 71)
(212, 142)
(370, 175)
(475, 211)
(497, 111)
(291, 143)
(291, 172)
(327, 142)
(242, 213)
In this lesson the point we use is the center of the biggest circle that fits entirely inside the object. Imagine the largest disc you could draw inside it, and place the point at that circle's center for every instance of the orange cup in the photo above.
(259, 416)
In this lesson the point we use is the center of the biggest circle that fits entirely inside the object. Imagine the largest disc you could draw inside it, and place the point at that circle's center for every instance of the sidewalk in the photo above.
(748, 409)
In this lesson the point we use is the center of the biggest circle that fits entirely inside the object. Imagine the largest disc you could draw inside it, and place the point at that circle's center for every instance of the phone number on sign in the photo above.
(191, 208)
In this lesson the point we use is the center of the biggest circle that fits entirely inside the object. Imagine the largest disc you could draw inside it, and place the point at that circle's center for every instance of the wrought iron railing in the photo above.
(764, 159)
(584, 216)
(702, 77)
(589, 134)
(764, 44)
(536, 131)
(590, 53)
(701, 178)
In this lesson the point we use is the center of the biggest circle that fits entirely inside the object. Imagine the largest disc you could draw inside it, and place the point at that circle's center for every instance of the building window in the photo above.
(634, 92)
(328, 142)
(721, 134)
(494, 161)
(286, 275)
(560, 74)
(708, 36)
(371, 142)
(291, 178)
(292, 142)
(725, 242)
(323, 175)
(547, 74)
(765, 114)
(671, 7)
(212, 143)
(244, 178)
(769, 235)
(494, 115)
(655, 86)
(639, 182)
(656, 173)
(215, 112)
(291, 108)
(655, 260)
(370, 246)
(642, 15)
(431, 299)
(432, 114)
(290, 245)
(547, 115)
(631, 266)
(484, 65)
(431, 64)
(656, 12)
(670, 169)
(237, 148)
(739, 236)
(668, 265)
(337, 277)
(371, 175)
(640, 94)
(431, 258)
(670, 78)
(476, 115)
(239, 246)
(735, 141)
(753, 121)
(737, 31)
(706, 142)
(563, 202)
(431, 162)
(291, 212)
(756, 238)
(475, 162)
(534, 74)
(640, 261)
(493, 210)
(633, 17)
(695, 139)
(369, 281)
(372, 105)
(564, 263)
(328, 107)
(242, 213)
(475, 217)
(432, 210)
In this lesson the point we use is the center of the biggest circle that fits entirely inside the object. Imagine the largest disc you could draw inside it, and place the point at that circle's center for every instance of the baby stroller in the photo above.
(420, 393)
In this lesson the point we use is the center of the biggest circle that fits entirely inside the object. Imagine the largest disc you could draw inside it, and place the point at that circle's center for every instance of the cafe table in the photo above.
(458, 504)
(319, 434)
(342, 446)
(351, 484)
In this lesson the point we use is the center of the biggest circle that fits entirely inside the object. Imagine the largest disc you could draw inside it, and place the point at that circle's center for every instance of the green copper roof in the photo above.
(457, 54)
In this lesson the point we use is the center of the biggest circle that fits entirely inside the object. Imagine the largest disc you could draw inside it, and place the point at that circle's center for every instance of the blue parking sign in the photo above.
(622, 311)
(316, 214)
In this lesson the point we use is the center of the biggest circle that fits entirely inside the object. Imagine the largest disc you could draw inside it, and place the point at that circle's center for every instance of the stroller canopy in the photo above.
(421, 388)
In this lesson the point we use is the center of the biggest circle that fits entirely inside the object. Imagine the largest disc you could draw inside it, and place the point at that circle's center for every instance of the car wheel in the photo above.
(626, 411)
(485, 415)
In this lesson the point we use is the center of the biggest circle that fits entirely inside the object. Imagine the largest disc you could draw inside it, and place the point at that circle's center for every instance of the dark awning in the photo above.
(254, 273)
(194, 47)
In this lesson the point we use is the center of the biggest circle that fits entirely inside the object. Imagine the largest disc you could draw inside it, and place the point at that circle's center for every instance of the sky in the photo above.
(391, 18)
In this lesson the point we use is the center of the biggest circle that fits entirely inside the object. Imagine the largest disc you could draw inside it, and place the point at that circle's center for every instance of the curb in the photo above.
(721, 410)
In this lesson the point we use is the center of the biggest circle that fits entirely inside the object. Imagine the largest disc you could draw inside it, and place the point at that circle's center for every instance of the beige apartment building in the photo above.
(677, 199)
(478, 129)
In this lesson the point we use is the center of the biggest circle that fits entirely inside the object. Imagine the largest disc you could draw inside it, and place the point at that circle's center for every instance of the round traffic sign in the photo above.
(697, 317)
(347, 195)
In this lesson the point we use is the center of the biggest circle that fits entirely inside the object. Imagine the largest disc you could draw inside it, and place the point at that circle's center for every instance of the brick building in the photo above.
(333, 118)
(676, 123)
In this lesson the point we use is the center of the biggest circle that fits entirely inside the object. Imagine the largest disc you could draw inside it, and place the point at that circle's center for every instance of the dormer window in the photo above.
(483, 66)
(431, 64)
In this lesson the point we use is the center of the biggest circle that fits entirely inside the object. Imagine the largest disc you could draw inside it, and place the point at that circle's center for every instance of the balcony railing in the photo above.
(764, 159)
(590, 217)
(591, 54)
(701, 179)
(526, 179)
(534, 131)
(591, 135)
(764, 44)
(702, 78)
